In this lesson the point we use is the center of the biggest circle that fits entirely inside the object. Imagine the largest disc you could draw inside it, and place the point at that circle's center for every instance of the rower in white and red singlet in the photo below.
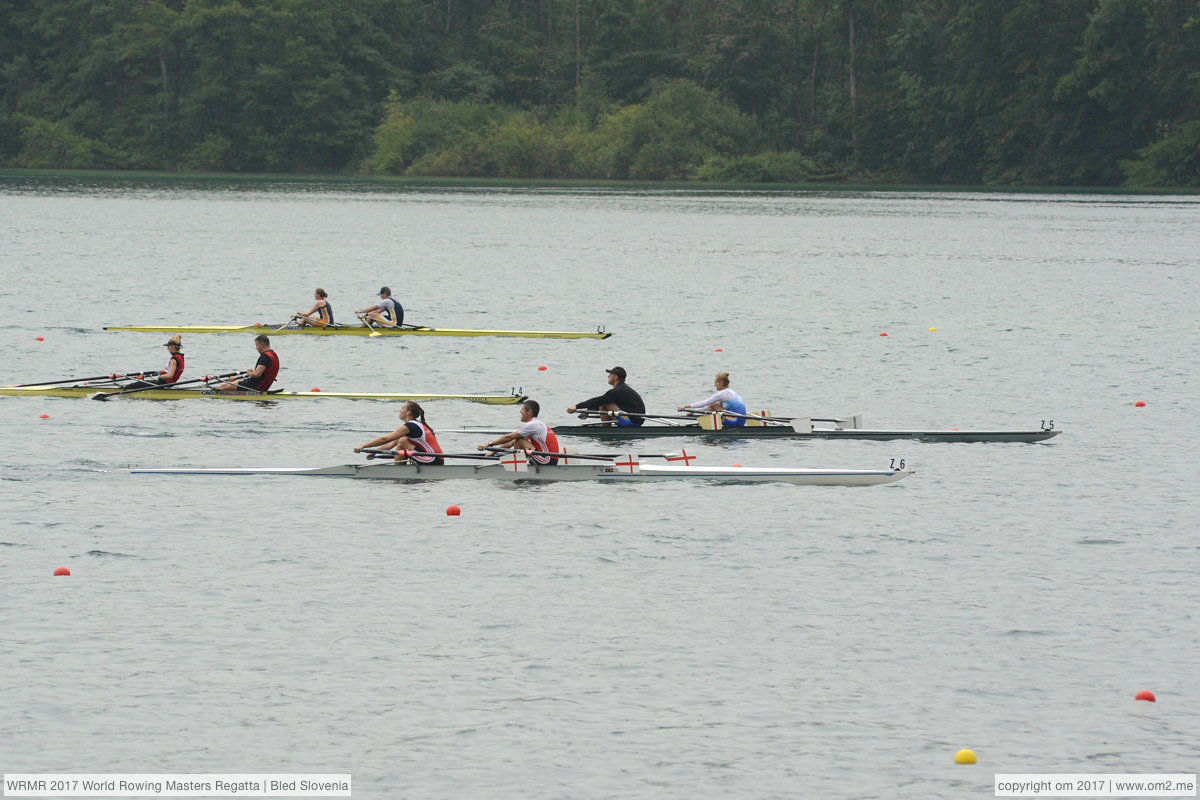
(170, 373)
(532, 435)
(414, 440)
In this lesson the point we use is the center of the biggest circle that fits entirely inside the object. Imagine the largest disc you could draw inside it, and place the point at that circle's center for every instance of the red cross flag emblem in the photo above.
(630, 461)
(682, 455)
(515, 462)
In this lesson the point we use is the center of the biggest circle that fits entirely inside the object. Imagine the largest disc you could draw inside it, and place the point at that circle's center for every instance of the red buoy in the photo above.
(1147, 695)
(718, 349)
(883, 334)
(1140, 404)
(40, 339)
(453, 511)
(62, 571)
(316, 388)
(44, 416)
(542, 368)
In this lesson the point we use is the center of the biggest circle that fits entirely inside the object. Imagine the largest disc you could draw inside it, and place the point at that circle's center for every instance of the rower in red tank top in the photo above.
(532, 435)
(264, 371)
(173, 371)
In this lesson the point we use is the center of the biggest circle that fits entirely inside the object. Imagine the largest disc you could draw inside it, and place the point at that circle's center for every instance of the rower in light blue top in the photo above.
(724, 399)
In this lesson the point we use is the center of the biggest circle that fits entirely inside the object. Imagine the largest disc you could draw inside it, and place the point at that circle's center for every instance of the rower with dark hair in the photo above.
(263, 373)
(387, 313)
(621, 397)
(321, 313)
(532, 435)
(413, 440)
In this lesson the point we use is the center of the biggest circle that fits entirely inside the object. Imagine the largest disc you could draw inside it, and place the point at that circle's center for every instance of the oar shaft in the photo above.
(204, 379)
(375, 451)
(109, 376)
(590, 413)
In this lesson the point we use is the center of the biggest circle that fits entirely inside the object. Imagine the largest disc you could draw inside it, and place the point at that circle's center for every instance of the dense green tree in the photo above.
(953, 91)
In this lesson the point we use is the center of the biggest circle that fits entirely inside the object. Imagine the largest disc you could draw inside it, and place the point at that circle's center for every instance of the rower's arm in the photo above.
(387, 438)
(501, 441)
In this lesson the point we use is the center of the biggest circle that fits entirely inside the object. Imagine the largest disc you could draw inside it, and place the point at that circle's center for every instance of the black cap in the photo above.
(618, 371)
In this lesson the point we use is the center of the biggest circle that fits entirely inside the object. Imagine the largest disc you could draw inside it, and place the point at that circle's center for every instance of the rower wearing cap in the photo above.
(413, 440)
(387, 313)
(171, 372)
(321, 313)
(724, 399)
(263, 373)
(532, 435)
(621, 397)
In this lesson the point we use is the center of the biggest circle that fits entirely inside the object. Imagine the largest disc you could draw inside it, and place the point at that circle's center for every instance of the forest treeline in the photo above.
(1004, 92)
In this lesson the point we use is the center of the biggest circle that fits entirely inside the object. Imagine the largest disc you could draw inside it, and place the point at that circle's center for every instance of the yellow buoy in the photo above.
(933, 329)
(964, 756)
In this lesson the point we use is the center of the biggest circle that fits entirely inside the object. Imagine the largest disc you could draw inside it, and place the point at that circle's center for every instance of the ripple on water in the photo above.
(141, 434)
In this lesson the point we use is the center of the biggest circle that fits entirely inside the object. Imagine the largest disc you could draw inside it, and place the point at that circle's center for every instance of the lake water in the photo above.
(597, 641)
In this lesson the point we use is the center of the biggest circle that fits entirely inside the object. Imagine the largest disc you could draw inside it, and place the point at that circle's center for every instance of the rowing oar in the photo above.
(374, 452)
(205, 379)
(111, 376)
(367, 322)
(785, 419)
(587, 413)
(291, 319)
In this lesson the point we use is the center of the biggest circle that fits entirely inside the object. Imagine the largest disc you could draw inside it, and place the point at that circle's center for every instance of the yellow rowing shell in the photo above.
(360, 330)
(212, 394)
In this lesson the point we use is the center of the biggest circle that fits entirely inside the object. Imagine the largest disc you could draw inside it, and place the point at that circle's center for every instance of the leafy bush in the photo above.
(53, 145)
(770, 167)
(1172, 160)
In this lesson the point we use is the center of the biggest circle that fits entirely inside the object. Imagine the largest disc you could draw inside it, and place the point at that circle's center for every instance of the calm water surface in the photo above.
(580, 640)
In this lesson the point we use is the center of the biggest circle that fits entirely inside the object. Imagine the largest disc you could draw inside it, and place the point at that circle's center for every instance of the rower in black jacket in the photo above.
(621, 397)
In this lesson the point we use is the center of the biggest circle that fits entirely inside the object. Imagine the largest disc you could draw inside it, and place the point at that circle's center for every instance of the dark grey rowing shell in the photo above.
(785, 432)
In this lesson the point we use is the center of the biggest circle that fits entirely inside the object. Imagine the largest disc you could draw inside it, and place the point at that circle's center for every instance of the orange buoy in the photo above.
(40, 339)
(44, 416)
(883, 334)
(735, 465)
(1140, 404)
(542, 368)
(1147, 695)
(453, 511)
(62, 571)
(718, 349)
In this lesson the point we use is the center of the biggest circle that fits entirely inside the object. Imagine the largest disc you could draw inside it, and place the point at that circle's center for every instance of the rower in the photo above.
(262, 374)
(532, 435)
(621, 397)
(414, 435)
(387, 313)
(724, 399)
(321, 313)
(171, 372)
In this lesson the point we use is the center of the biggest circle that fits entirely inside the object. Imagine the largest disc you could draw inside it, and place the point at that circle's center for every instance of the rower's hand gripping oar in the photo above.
(367, 322)
(205, 379)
